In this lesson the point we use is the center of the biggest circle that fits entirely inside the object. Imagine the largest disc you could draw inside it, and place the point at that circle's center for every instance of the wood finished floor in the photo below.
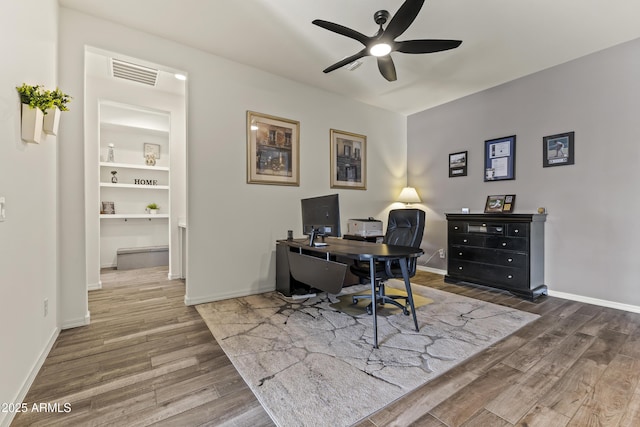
(147, 359)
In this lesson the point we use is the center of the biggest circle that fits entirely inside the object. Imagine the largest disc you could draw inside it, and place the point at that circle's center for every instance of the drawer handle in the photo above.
(484, 225)
(504, 244)
(465, 241)
(460, 253)
(510, 277)
(498, 228)
(510, 259)
(516, 231)
(455, 228)
(459, 268)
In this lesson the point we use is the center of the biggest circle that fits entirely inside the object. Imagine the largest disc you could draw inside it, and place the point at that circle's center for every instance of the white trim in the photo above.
(174, 276)
(31, 377)
(219, 297)
(567, 296)
(74, 323)
(94, 286)
(596, 301)
(431, 270)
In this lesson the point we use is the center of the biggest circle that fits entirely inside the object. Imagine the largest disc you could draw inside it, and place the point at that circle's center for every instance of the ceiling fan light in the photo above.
(380, 49)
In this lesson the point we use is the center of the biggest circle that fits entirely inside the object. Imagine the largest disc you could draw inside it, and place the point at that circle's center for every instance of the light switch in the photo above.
(2, 213)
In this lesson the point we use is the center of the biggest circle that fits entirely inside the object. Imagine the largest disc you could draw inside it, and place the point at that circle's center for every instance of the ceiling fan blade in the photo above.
(386, 67)
(403, 18)
(425, 46)
(342, 30)
(346, 61)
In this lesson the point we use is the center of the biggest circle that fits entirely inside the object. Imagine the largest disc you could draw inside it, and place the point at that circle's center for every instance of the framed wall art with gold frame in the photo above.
(348, 160)
(273, 150)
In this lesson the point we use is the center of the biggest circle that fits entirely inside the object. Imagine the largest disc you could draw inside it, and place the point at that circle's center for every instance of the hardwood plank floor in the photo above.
(147, 359)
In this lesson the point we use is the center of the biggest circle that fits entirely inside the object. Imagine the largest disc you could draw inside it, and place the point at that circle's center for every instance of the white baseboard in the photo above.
(595, 301)
(79, 321)
(219, 297)
(567, 296)
(94, 286)
(174, 276)
(431, 270)
(7, 417)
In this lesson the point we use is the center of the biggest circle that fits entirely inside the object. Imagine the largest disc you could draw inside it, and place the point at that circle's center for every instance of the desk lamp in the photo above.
(409, 195)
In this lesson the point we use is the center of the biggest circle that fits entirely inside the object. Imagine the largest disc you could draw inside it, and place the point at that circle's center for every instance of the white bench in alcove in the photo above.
(149, 256)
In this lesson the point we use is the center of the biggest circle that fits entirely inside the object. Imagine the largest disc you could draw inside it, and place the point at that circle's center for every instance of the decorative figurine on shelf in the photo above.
(150, 159)
(110, 154)
(114, 178)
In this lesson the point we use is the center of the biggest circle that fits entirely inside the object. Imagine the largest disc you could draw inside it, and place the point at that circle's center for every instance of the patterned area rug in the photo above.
(311, 365)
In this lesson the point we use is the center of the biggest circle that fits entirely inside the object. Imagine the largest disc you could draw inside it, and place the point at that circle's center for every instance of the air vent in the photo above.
(134, 72)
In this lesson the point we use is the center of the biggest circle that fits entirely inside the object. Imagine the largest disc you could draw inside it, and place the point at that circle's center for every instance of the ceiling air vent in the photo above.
(134, 72)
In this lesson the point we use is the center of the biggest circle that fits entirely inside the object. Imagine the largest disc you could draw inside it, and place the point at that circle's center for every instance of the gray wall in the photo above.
(590, 248)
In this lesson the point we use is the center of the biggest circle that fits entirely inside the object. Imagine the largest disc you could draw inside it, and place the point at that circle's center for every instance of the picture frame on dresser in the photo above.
(500, 159)
(500, 204)
(558, 150)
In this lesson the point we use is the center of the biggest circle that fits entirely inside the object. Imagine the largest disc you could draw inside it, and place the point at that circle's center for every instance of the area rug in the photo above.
(311, 365)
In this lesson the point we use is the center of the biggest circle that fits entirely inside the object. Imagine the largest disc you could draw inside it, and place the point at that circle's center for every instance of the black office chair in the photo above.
(405, 228)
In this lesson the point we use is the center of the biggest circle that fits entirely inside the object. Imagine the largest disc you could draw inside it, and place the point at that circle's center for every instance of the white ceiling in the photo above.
(502, 39)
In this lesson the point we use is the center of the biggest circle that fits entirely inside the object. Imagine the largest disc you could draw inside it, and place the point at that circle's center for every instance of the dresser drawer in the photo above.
(467, 240)
(489, 256)
(518, 230)
(489, 274)
(507, 243)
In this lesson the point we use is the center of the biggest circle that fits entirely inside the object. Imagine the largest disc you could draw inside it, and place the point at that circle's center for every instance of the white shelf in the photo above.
(133, 216)
(146, 187)
(132, 166)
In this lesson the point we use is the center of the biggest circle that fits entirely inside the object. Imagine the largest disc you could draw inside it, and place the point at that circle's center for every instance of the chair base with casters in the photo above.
(405, 228)
(382, 298)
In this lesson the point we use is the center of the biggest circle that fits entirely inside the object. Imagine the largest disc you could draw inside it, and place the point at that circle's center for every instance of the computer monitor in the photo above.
(322, 214)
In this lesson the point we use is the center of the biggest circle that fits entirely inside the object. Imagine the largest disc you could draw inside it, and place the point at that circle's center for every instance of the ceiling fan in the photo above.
(382, 43)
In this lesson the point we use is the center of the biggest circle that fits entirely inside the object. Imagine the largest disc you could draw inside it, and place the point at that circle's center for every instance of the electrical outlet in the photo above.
(46, 307)
(442, 253)
(2, 213)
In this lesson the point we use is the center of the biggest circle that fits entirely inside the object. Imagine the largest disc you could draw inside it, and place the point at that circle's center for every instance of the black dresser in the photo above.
(504, 251)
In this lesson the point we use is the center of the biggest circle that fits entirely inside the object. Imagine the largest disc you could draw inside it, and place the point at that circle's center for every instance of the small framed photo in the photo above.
(348, 160)
(500, 204)
(108, 208)
(558, 150)
(458, 164)
(273, 147)
(152, 149)
(500, 159)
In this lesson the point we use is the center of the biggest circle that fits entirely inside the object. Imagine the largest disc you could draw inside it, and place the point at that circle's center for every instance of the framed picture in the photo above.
(152, 149)
(500, 159)
(348, 160)
(108, 208)
(557, 150)
(273, 150)
(458, 164)
(500, 204)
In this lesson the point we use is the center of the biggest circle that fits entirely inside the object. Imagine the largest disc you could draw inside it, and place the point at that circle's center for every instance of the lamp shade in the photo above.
(409, 195)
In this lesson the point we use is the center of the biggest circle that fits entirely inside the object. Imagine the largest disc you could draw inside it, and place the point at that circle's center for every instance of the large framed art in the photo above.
(500, 159)
(273, 150)
(348, 160)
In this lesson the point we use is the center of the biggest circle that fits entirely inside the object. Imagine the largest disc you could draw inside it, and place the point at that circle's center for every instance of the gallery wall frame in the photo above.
(500, 159)
(458, 164)
(348, 160)
(558, 150)
(273, 150)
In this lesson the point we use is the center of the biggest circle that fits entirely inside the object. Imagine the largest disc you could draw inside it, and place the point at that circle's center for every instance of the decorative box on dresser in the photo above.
(504, 251)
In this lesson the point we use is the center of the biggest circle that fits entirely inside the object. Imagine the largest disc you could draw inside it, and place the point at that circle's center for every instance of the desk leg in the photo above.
(407, 284)
(374, 302)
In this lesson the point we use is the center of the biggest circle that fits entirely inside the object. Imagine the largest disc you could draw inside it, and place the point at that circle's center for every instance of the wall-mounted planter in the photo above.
(51, 121)
(32, 122)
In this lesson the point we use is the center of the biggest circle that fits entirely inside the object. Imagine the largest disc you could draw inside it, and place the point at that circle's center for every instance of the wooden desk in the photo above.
(317, 266)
